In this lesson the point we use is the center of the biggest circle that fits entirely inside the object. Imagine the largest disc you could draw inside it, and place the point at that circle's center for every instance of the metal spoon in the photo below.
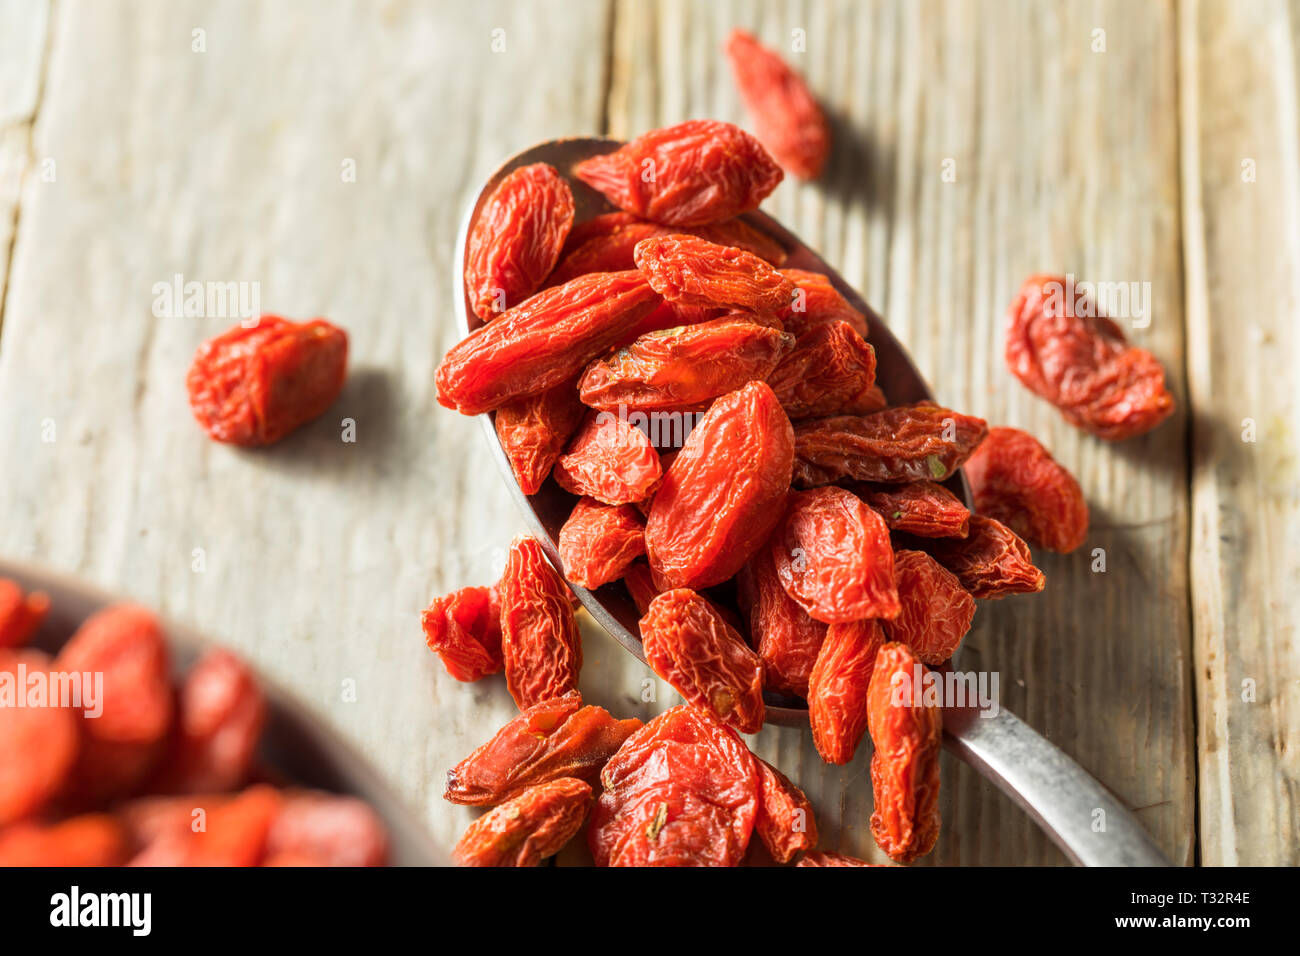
(1090, 825)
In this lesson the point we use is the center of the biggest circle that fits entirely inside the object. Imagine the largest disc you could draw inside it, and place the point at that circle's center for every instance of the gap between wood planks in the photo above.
(30, 146)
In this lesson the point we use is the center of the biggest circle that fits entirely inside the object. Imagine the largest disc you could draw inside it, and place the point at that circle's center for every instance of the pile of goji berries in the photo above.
(157, 773)
(799, 545)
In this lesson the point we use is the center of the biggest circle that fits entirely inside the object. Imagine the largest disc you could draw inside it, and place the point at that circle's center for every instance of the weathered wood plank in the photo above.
(1240, 149)
(23, 34)
(1064, 160)
(227, 165)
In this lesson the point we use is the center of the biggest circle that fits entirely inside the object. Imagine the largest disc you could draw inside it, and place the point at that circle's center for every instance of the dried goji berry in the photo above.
(833, 556)
(1017, 481)
(1082, 363)
(534, 430)
(220, 712)
(254, 385)
(528, 828)
(332, 829)
(553, 738)
(236, 832)
(837, 689)
(936, 610)
(693, 271)
(907, 734)
(826, 858)
(539, 636)
(546, 340)
(20, 614)
(816, 302)
(93, 839)
(611, 251)
(991, 562)
(607, 243)
(922, 508)
(785, 821)
(691, 174)
(786, 638)
(689, 644)
(830, 371)
(723, 494)
(464, 629)
(785, 114)
(641, 586)
(610, 460)
(119, 747)
(903, 443)
(683, 367)
(517, 238)
(738, 233)
(599, 541)
(682, 791)
(38, 742)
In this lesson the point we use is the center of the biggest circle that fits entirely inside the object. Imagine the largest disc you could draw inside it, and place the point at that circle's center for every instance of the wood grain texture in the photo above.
(229, 164)
(1241, 153)
(226, 165)
(1048, 177)
(24, 30)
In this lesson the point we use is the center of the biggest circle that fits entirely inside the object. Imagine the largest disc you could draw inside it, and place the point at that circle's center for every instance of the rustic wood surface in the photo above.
(976, 143)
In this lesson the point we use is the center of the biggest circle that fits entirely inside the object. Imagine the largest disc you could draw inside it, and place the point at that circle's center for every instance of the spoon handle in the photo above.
(1080, 815)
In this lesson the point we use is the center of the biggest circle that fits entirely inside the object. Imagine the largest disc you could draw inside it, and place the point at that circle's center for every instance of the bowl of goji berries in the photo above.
(735, 468)
(125, 740)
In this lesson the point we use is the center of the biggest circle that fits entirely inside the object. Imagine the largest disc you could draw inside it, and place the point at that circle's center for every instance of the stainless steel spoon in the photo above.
(1090, 825)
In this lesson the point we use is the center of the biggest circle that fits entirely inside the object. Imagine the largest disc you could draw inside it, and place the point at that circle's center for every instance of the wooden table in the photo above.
(975, 143)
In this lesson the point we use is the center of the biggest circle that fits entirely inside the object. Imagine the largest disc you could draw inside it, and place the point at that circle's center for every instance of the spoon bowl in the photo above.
(547, 510)
(1052, 788)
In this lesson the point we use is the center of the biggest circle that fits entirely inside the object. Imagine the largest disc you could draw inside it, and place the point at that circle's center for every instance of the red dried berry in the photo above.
(786, 638)
(785, 821)
(922, 508)
(1081, 362)
(528, 828)
(833, 556)
(816, 302)
(540, 642)
(120, 746)
(724, 493)
(689, 644)
(691, 174)
(826, 858)
(907, 734)
(685, 367)
(1016, 480)
(534, 430)
(936, 611)
(610, 460)
(598, 542)
(551, 739)
(692, 271)
(786, 116)
(831, 371)
(252, 386)
(991, 562)
(20, 614)
(464, 629)
(517, 238)
(546, 340)
(903, 443)
(837, 689)
(38, 744)
(220, 713)
(682, 791)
